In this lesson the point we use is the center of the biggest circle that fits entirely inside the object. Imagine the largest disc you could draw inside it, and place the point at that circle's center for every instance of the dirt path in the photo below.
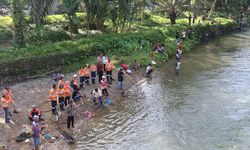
(36, 92)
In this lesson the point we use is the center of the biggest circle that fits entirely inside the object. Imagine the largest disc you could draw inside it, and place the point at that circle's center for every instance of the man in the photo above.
(35, 112)
(93, 73)
(81, 74)
(5, 105)
(71, 114)
(76, 96)
(120, 79)
(9, 96)
(36, 130)
(67, 93)
(87, 70)
(99, 71)
(60, 92)
(148, 70)
(97, 95)
(53, 98)
(109, 68)
(104, 86)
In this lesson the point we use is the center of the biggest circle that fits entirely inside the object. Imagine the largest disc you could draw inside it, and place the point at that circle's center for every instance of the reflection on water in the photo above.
(206, 107)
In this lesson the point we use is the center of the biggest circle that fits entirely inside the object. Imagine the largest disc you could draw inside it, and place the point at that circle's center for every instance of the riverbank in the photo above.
(38, 94)
(66, 56)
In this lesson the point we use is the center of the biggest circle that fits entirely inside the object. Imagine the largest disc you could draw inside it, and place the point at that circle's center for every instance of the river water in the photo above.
(206, 108)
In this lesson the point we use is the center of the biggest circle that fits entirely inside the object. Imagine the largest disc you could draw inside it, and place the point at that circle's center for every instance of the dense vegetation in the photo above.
(127, 28)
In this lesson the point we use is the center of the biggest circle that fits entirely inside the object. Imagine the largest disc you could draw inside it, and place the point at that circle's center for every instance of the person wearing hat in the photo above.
(104, 85)
(34, 112)
(36, 131)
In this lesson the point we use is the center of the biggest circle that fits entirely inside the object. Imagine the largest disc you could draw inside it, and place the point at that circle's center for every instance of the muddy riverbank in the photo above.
(37, 92)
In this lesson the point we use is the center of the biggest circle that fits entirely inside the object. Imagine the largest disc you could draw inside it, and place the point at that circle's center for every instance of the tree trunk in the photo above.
(212, 9)
(172, 17)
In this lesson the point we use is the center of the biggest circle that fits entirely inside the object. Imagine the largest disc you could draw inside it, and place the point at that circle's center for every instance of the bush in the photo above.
(5, 35)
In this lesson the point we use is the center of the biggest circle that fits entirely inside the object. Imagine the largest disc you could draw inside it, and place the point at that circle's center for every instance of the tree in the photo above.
(19, 22)
(212, 9)
(70, 7)
(173, 8)
(39, 10)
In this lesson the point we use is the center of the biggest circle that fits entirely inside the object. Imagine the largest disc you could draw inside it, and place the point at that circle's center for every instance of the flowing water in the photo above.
(206, 108)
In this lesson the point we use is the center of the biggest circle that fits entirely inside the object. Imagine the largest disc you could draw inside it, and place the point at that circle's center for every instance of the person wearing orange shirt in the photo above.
(87, 70)
(60, 93)
(5, 105)
(81, 74)
(109, 67)
(93, 73)
(8, 94)
(67, 93)
(60, 81)
(53, 98)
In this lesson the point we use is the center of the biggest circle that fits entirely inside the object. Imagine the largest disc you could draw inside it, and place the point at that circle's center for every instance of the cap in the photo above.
(33, 106)
(87, 64)
(75, 75)
(103, 77)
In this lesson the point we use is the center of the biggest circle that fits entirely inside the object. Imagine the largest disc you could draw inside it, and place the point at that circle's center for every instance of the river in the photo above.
(206, 108)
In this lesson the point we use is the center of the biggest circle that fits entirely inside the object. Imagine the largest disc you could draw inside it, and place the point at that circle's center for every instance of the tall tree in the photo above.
(70, 7)
(39, 10)
(212, 9)
(173, 8)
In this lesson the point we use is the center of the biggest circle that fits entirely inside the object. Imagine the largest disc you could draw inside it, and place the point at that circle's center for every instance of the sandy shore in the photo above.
(37, 92)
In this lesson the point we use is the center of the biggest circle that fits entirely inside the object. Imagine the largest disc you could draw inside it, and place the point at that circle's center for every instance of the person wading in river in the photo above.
(109, 68)
(104, 86)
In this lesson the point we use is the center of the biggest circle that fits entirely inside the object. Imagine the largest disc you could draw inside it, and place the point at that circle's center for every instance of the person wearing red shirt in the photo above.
(100, 71)
(34, 112)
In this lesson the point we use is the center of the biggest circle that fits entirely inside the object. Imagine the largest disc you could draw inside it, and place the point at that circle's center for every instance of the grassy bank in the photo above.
(69, 55)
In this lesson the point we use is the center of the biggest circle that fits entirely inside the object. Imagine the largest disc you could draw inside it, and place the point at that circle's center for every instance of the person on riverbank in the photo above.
(71, 114)
(60, 81)
(82, 77)
(109, 69)
(53, 99)
(124, 66)
(104, 86)
(120, 76)
(5, 105)
(36, 130)
(35, 112)
(99, 71)
(74, 82)
(76, 96)
(104, 61)
(9, 96)
(67, 93)
(136, 65)
(87, 71)
(60, 92)
(97, 96)
(93, 73)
